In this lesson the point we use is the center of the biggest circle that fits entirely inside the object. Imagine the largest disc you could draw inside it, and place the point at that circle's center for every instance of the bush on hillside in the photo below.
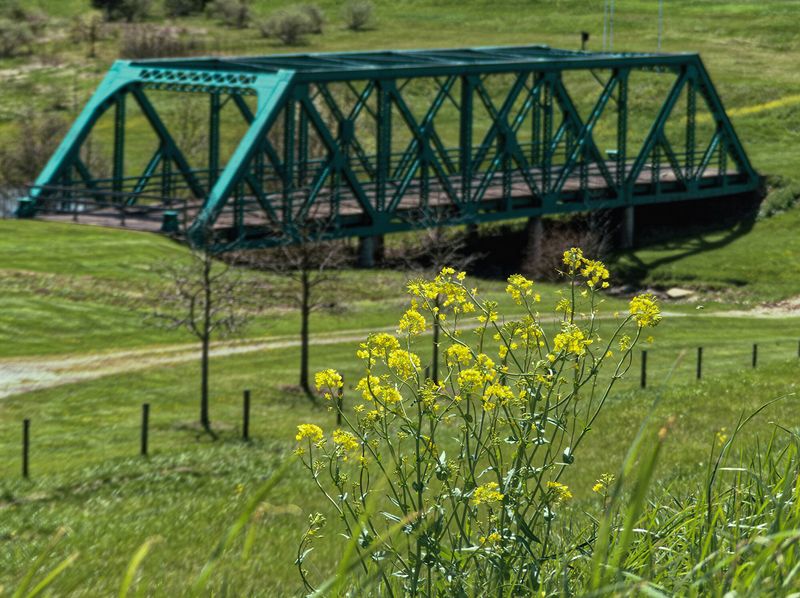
(124, 10)
(357, 14)
(288, 26)
(34, 141)
(234, 13)
(16, 39)
(183, 8)
(145, 41)
(315, 16)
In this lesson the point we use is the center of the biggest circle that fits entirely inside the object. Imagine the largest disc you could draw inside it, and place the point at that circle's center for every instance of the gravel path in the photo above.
(25, 374)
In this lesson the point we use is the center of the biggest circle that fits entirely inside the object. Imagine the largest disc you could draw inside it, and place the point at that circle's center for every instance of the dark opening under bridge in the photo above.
(367, 143)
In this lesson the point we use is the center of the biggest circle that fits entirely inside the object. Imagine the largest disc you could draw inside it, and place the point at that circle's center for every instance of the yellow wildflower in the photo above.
(571, 340)
(370, 387)
(603, 483)
(487, 493)
(377, 346)
(595, 273)
(496, 393)
(330, 379)
(520, 288)
(645, 310)
(345, 439)
(458, 355)
(310, 431)
(412, 322)
(403, 363)
(493, 538)
(560, 491)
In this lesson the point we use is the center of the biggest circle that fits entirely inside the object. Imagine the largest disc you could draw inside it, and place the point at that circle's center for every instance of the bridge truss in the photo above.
(362, 144)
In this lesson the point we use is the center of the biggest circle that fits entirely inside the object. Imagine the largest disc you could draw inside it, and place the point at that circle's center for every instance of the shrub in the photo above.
(357, 14)
(286, 25)
(234, 13)
(15, 39)
(34, 140)
(124, 10)
(315, 17)
(453, 487)
(33, 17)
(88, 28)
(182, 8)
(144, 41)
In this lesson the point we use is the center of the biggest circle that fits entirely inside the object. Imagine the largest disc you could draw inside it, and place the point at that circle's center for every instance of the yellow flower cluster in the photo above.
(450, 285)
(602, 485)
(458, 355)
(560, 491)
(520, 288)
(573, 259)
(645, 310)
(493, 538)
(378, 346)
(487, 493)
(345, 439)
(372, 387)
(310, 431)
(595, 273)
(403, 363)
(496, 393)
(330, 379)
(571, 339)
(412, 322)
(477, 376)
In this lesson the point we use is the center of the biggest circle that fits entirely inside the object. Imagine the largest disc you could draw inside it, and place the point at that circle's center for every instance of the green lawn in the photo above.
(79, 289)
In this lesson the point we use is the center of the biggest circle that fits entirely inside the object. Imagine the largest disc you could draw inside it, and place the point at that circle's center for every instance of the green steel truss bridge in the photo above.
(362, 144)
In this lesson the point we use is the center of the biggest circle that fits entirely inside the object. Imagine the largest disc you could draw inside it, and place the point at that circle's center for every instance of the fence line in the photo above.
(645, 365)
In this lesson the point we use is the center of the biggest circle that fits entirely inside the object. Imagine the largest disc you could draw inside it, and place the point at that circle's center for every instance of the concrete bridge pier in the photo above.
(534, 245)
(370, 251)
(627, 236)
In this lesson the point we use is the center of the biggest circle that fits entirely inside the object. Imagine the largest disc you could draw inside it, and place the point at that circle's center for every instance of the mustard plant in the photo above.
(473, 463)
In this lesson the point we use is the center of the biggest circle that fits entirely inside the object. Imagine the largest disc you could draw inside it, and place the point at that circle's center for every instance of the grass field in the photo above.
(78, 290)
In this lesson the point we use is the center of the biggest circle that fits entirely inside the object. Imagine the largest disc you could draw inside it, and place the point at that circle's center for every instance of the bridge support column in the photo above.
(534, 245)
(370, 251)
(628, 229)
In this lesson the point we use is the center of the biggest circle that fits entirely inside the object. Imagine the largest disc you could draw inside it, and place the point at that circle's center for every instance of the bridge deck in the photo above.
(149, 217)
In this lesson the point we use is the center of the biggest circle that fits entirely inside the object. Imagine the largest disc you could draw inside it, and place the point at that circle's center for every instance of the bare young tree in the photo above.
(312, 268)
(205, 297)
(433, 248)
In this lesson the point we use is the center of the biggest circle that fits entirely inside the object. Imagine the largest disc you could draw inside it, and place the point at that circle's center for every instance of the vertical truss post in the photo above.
(385, 87)
(691, 118)
(166, 178)
(302, 148)
(213, 138)
(289, 119)
(465, 135)
(536, 122)
(622, 130)
(119, 143)
(547, 158)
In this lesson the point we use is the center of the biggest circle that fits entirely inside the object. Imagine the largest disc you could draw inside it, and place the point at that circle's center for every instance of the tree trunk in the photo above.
(435, 363)
(205, 420)
(305, 312)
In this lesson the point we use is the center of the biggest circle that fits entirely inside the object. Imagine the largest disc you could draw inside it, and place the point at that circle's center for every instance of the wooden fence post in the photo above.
(644, 369)
(145, 424)
(26, 446)
(699, 362)
(246, 416)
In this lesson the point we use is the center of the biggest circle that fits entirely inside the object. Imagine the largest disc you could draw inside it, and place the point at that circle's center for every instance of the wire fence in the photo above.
(146, 428)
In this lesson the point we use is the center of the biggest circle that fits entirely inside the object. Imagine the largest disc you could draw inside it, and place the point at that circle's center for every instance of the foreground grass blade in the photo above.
(134, 565)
